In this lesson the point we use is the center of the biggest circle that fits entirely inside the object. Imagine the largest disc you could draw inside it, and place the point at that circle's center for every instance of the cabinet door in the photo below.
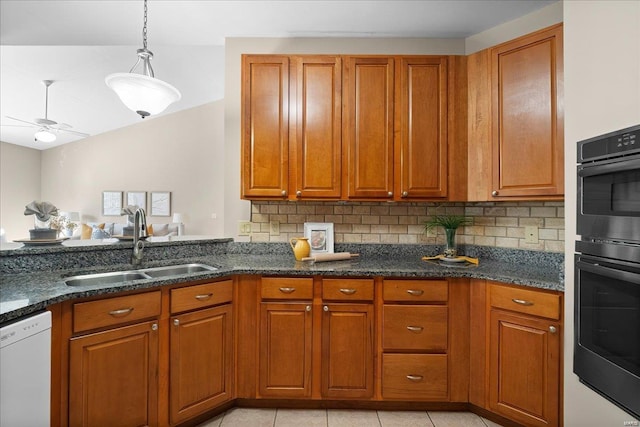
(113, 377)
(347, 351)
(527, 116)
(201, 354)
(265, 126)
(285, 349)
(421, 120)
(368, 93)
(524, 368)
(317, 81)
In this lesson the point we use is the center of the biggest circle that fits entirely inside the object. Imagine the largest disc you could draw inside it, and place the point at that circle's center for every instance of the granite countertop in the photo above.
(23, 293)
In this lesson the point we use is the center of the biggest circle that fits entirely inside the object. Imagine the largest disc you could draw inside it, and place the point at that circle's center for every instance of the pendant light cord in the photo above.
(144, 27)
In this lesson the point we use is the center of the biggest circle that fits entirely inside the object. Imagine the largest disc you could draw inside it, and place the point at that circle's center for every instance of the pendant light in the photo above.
(143, 93)
(44, 135)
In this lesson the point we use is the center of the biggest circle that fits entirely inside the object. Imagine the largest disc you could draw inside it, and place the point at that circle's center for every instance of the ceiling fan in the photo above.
(46, 127)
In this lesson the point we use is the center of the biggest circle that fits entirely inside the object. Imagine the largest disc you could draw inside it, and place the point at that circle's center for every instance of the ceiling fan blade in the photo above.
(23, 121)
(62, 126)
(18, 126)
(72, 131)
(45, 122)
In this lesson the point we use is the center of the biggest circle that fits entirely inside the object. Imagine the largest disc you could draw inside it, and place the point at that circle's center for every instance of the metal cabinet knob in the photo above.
(390, 194)
(176, 322)
(553, 329)
(308, 308)
(494, 193)
(154, 327)
(284, 193)
(325, 308)
(298, 193)
(405, 194)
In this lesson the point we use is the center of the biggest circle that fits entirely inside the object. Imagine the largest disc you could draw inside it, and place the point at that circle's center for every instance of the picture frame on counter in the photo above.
(111, 203)
(160, 203)
(320, 235)
(137, 198)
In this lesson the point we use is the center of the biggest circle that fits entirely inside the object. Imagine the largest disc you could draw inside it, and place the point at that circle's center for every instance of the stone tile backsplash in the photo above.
(493, 224)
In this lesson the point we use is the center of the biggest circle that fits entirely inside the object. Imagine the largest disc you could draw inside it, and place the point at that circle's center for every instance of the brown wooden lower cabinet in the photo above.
(201, 362)
(347, 351)
(113, 377)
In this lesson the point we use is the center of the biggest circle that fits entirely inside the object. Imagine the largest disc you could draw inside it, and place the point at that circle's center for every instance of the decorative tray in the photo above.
(40, 242)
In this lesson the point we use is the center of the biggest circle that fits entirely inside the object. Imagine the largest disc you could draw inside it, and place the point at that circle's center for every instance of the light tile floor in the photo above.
(251, 417)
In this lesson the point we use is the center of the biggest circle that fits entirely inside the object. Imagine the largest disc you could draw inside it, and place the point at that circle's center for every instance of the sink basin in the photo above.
(126, 276)
(105, 278)
(174, 270)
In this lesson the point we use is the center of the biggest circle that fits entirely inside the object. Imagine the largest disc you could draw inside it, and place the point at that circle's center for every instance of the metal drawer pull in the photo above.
(348, 291)
(415, 378)
(203, 297)
(521, 301)
(415, 292)
(122, 312)
(415, 328)
(287, 290)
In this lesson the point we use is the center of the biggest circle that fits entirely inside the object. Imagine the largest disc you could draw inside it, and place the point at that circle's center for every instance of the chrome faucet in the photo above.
(139, 233)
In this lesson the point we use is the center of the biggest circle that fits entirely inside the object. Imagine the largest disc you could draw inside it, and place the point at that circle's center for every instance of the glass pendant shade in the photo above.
(143, 94)
(44, 135)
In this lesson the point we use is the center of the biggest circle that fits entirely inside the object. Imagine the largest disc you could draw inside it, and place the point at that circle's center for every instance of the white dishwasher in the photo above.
(25, 372)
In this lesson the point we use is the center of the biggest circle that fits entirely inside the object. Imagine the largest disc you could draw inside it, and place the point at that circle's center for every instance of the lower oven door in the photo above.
(607, 329)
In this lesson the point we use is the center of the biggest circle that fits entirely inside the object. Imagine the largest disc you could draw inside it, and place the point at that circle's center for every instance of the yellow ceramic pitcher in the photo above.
(301, 248)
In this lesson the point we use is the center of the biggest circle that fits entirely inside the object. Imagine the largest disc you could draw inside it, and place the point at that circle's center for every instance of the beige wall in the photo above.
(182, 153)
(19, 185)
(602, 94)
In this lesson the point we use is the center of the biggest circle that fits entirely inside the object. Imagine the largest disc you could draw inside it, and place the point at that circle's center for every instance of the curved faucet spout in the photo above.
(139, 232)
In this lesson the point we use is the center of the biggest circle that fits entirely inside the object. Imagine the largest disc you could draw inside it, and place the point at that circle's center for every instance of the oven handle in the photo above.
(608, 168)
(609, 272)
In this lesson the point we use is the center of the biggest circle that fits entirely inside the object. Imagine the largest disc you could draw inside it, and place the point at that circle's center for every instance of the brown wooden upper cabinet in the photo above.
(516, 119)
(291, 127)
(319, 127)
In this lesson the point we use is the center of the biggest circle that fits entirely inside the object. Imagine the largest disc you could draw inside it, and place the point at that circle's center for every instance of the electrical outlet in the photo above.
(244, 228)
(530, 234)
(274, 228)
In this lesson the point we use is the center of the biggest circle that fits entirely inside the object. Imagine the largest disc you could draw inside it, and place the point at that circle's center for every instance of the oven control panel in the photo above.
(622, 142)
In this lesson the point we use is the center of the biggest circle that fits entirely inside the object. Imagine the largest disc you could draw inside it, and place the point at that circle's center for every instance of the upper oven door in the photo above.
(609, 199)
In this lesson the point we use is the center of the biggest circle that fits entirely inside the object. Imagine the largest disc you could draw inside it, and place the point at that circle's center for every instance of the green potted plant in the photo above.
(450, 223)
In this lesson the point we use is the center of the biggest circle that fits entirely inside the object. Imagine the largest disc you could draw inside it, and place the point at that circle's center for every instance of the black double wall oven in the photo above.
(607, 267)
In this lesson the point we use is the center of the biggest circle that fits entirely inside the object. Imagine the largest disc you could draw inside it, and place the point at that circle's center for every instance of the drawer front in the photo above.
(415, 376)
(411, 327)
(526, 301)
(114, 311)
(347, 289)
(415, 290)
(286, 288)
(201, 296)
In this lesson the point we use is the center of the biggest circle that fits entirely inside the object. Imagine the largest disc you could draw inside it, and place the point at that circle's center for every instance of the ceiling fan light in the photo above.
(44, 135)
(142, 94)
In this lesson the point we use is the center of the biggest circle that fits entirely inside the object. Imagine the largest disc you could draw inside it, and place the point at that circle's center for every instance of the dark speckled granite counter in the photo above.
(33, 278)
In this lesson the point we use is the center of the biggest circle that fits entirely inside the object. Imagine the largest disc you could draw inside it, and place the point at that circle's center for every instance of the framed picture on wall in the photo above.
(160, 203)
(137, 198)
(111, 203)
(320, 235)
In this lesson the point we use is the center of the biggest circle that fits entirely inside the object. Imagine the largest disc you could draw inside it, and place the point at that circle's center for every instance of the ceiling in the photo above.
(78, 43)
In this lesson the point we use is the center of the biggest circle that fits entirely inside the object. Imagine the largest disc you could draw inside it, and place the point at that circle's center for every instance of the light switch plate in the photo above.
(530, 234)
(244, 228)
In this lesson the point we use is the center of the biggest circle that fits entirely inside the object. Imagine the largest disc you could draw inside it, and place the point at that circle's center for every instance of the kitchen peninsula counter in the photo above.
(33, 278)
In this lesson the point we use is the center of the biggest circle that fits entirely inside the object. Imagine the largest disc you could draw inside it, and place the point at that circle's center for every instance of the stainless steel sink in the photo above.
(101, 279)
(105, 278)
(174, 270)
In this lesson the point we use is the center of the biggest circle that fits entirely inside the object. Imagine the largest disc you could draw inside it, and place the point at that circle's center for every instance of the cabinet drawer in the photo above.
(525, 301)
(415, 290)
(347, 289)
(414, 327)
(286, 288)
(113, 311)
(415, 376)
(201, 296)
